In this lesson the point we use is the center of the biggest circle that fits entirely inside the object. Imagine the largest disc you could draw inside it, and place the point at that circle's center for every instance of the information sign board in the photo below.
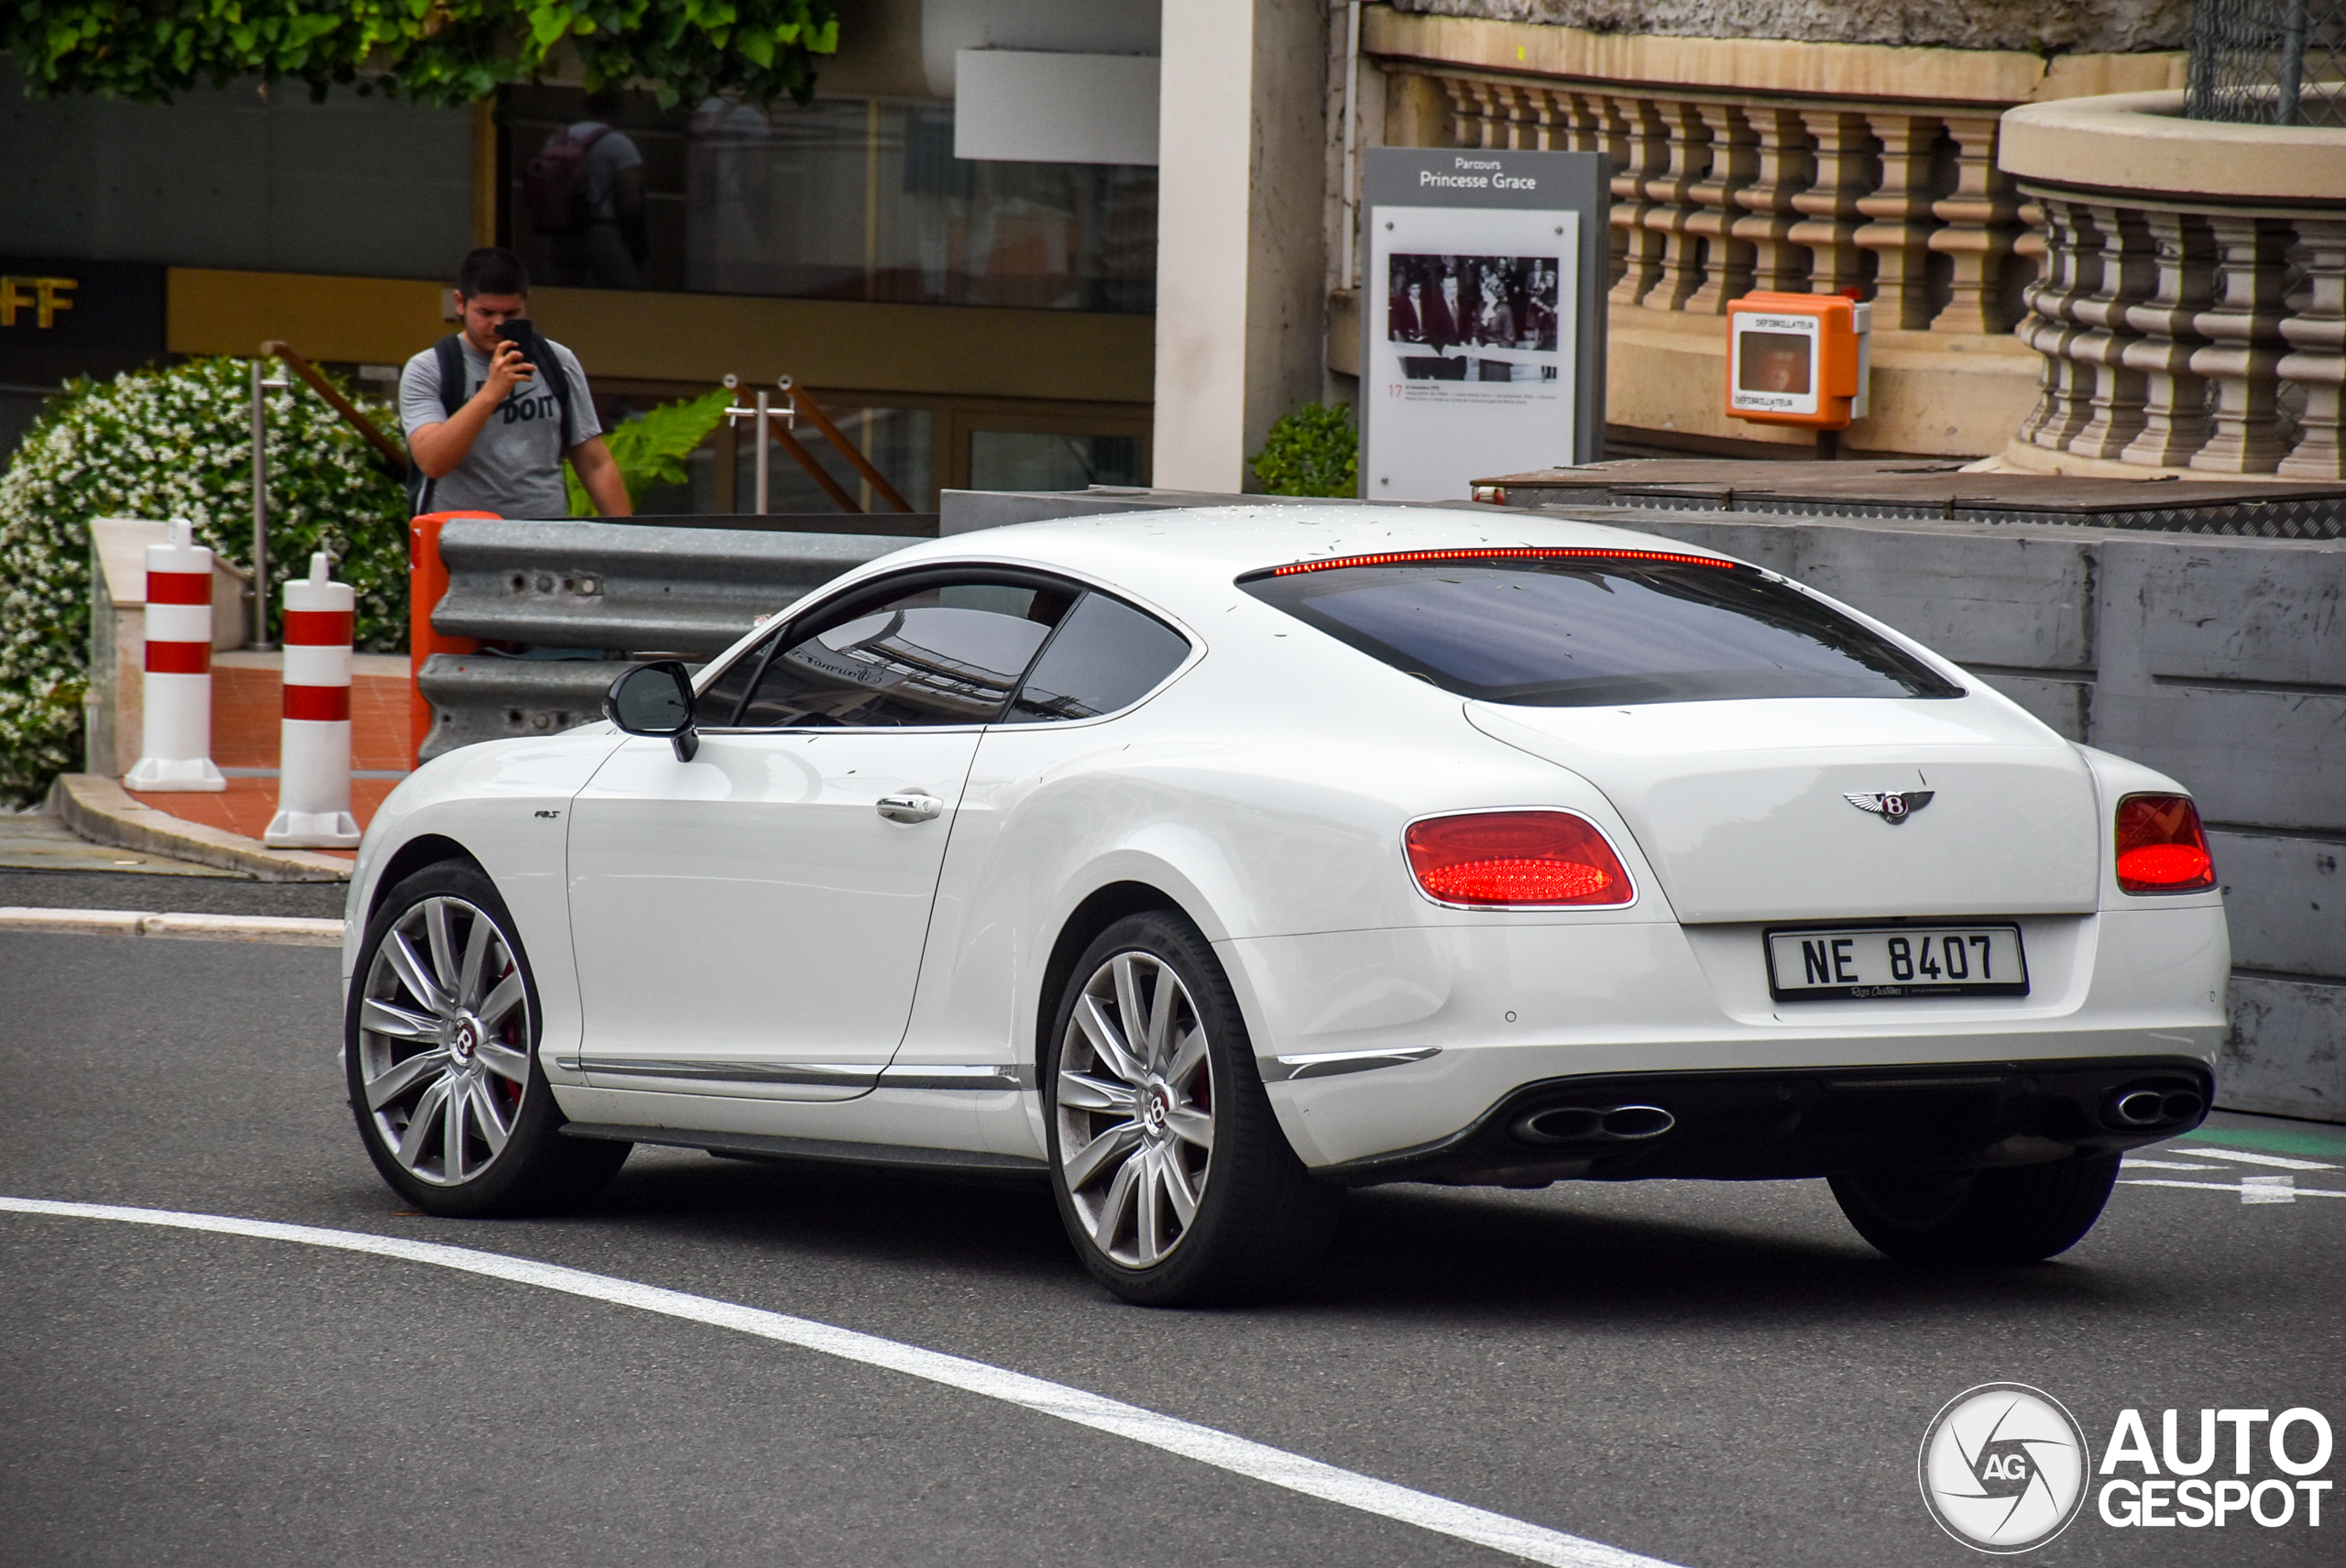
(1482, 316)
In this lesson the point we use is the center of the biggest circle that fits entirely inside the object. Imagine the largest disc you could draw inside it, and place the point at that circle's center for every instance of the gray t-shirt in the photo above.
(515, 467)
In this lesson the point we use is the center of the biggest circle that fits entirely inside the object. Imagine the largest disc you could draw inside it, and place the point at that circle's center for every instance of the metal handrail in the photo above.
(847, 449)
(391, 451)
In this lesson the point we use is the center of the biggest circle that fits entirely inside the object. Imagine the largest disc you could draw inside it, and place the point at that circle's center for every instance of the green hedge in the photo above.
(169, 443)
(1312, 451)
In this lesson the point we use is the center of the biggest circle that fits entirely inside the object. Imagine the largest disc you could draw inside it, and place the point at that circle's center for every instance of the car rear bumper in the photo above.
(1448, 1025)
(1774, 1123)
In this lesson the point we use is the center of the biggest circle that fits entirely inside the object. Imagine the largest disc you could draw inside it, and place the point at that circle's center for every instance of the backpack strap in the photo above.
(549, 364)
(451, 352)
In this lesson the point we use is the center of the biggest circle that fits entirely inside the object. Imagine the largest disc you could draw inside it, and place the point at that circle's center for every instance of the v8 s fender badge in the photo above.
(1892, 806)
(2004, 1467)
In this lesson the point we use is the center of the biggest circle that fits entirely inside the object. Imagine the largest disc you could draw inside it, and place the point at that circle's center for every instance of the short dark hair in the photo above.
(492, 270)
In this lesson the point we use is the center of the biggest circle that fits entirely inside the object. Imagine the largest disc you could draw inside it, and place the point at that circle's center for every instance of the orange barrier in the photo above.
(427, 583)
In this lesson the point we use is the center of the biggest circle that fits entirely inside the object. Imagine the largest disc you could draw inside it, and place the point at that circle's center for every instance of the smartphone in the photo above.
(515, 331)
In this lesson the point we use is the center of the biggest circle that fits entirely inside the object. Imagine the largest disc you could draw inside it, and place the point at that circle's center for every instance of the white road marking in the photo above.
(2165, 1165)
(2252, 1189)
(2244, 1157)
(1531, 1542)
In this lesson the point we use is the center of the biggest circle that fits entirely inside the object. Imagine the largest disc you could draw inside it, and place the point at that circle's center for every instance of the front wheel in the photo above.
(2017, 1214)
(1171, 1174)
(440, 1049)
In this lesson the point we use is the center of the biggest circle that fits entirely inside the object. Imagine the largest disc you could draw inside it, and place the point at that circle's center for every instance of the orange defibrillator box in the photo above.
(1803, 359)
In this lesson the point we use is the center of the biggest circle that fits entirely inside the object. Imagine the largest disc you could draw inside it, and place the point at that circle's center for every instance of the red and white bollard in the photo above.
(175, 750)
(313, 759)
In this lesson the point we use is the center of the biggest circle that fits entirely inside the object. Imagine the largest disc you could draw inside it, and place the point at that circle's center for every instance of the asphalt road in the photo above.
(1714, 1376)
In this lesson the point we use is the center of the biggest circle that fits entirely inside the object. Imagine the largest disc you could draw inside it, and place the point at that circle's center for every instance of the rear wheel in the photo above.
(440, 1050)
(2016, 1214)
(1171, 1174)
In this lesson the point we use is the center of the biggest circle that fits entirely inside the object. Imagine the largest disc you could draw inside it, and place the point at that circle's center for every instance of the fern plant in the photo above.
(651, 448)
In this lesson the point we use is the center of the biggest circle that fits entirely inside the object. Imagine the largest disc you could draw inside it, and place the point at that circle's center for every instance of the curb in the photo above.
(281, 928)
(102, 811)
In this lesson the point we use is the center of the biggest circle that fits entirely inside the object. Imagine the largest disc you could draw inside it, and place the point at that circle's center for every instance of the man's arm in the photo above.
(438, 448)
(600, 475)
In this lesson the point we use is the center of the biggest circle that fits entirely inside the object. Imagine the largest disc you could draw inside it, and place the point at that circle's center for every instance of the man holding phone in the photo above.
(492, 411)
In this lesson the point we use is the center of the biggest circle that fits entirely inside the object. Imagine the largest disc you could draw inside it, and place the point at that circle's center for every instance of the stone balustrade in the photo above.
(1757, 163)
(2192, 311)
(1718, 194)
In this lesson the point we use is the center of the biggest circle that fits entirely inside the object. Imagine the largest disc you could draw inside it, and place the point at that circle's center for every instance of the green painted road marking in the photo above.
(2278, 1140)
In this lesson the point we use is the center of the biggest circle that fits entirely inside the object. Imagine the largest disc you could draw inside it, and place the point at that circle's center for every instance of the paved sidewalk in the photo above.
(247, 707)
(211, 833)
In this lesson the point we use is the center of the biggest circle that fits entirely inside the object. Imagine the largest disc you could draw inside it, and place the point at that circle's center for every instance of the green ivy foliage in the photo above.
(1312, 451)
(437, 51)
(651, 448)
(169, 443)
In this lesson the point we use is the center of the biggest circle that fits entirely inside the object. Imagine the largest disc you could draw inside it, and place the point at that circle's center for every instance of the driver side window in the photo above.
(927, 652)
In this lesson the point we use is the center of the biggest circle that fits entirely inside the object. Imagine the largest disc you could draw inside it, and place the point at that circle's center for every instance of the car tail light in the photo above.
(2160, 846)
(1512, 858)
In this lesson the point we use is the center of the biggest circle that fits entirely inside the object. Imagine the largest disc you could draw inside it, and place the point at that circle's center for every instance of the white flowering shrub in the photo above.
(169, 443)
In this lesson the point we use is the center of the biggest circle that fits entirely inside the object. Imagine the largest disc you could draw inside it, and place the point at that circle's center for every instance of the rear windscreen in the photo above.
(1588, 632)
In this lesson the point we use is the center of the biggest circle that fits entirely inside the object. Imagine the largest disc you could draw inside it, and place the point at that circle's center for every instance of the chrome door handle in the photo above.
(910, 807)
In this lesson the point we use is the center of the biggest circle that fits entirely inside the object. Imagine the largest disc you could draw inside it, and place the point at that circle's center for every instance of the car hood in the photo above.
(1743, 808)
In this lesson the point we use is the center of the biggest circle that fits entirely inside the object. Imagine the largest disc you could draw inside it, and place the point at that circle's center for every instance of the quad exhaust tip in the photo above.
(2154, 1107)
(1594, 1124)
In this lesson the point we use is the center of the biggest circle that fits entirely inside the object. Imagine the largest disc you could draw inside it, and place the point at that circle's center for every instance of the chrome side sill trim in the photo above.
(825, 1075)
(1328, 1063)
(981, 1075)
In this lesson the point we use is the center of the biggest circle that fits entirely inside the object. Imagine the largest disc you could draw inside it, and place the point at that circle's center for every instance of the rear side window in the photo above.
(930, 652)
(1105, 655)
(1585, 630)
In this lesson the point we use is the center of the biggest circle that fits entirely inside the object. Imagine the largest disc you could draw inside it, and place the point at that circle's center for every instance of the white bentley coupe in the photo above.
(1204, 864)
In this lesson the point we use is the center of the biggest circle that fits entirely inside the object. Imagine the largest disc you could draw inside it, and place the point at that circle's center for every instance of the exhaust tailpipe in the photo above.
(1594, 1124)
(2154, 1107)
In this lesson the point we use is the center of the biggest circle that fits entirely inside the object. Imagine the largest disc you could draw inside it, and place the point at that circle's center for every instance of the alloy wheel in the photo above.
(444, 1040)
(1135, 1102)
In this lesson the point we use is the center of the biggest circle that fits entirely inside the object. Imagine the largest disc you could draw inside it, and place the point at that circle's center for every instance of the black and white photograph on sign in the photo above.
(1466, 303)
(1473, 375)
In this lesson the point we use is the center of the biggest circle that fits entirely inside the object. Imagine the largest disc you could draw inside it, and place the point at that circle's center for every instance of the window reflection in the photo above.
(936, 655)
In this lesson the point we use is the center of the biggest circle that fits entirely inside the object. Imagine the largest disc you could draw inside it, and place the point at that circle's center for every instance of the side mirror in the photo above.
(656, 700)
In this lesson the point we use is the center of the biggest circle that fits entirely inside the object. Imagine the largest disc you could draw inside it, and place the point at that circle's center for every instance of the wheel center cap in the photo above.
(1156, 1109)
(467, 1040)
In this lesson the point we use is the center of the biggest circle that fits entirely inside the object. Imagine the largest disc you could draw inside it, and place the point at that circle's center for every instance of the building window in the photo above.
(842, 199)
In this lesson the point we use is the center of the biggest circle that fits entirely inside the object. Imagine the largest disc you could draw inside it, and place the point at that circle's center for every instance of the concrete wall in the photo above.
(2041, 25)
(2221, 661)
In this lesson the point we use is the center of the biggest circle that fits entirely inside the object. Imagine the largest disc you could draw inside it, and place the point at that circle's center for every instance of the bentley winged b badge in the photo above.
(1892, 806)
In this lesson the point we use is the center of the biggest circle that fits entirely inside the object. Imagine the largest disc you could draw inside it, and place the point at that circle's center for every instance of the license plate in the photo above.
(1893, 962)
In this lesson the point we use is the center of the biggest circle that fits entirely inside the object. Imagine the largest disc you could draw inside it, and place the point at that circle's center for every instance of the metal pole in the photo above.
(1349, 208)
(765, 455)
(259, 640)
(2293, 65)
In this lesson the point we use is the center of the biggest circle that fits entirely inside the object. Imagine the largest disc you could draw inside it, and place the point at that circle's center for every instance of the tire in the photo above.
(433, 1059)
(1171, 1175)
(2019, 1214)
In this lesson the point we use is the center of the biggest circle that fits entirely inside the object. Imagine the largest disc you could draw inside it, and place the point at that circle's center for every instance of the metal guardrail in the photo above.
(572, 599)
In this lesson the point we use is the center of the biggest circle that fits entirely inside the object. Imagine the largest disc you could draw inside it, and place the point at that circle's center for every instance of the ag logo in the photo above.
(2003, 1467)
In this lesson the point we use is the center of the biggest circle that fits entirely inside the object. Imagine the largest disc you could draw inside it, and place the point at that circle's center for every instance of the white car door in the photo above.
(750, 922)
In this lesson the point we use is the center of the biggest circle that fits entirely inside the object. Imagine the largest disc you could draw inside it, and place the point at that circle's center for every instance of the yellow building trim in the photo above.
(946, 350)
(1762, 65)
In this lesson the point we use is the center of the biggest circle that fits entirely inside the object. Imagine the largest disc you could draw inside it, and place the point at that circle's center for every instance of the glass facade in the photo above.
(842, 199)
